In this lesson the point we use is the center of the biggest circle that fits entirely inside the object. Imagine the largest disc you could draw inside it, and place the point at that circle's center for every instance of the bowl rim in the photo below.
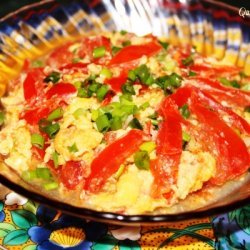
(110, 217)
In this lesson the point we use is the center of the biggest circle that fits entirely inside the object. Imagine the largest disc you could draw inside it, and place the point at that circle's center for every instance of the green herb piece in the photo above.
(132, 75)
(185, 111)
(103, 123)
(52, 77)
(164, 44)
(134, 123)
(192, 73)
(76, 60)
(47, 127)
(119, 171)
(78, 84)
(83, 93)
(188, 61)
(153, 116)
(106, 73)
(125, 98)
(185, 136)
(142, 160)
(123, 32)
(148, 146)
(93, 87)
(128, 88)
(175, 80)
(29, 175)
(247, 109)
(144, 106)
(51, 186)
(169, 82)
(229, 83)
(99, 52)
(2, 118)
(126, 43)
(73, 148)
(37, 140)
(115, 49)
(142, 72)
(101, 92)
(79, 112)
(43, 173)
(37, 64)
(55, 159)
(55, 114)
(94, 114)
(242, 74)
(116, 123)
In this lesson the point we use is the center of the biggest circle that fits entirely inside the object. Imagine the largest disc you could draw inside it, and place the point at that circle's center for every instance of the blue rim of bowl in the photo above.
(109, 217)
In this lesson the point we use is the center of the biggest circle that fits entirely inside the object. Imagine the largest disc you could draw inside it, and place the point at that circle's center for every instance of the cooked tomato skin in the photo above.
(110, 159)
(61, 89)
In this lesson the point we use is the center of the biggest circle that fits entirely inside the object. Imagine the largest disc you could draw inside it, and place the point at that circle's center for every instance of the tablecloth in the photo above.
(27, 225)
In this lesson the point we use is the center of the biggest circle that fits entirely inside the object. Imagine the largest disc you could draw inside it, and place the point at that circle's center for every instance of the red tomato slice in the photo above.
(33, 84)
(168, 149)
(71, 174)
(110, 159)
(232, 154)
(33, 116)
(60, 56)
(134, 52)
(61, 89)
(117, 82)
(76, 67)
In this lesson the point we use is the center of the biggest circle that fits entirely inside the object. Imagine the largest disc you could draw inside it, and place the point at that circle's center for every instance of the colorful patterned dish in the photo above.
(27, 35)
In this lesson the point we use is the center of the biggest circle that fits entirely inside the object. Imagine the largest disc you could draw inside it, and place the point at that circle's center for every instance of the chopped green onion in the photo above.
(52, 77)
(78, 84)
(188, 61)
(144, 106)
(246, 87)
(128, 88)
(129, 109)
(55, 159)
(125, 98)
(2, 118)
(76, 60)
(164, 44)
(132, 75)
(185, 111)
(119, 171)
(247, 109)
(37, 64)
(99, 52)
(73, 148)
(143, 73)
(79, 112)
(83, 93)
(101, 92)
(148, 146)
(142, 160)
(175, 80)
(126, 43)
(55, 114)
(37, 140)
(229, 83)
(134, 123)
(29, 175)
(94, 87)
(192, 73)
(242, 74)
(50, 185)
(94, 114)
(115, 49)
(43, 173)
(153, 116)
(185, 136)
(103, 123)
(116, 123)
(123, 32)
(51, 130)
(106, 72)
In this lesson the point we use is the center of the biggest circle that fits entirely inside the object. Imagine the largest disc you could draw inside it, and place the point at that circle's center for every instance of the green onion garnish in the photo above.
(52, 77)
(29, 175)
(134, 123)
(164, 44)
(229, 83)
(175, 80)
(83, 93)
(106, 73)
(2, 118)
(55, 114)
(93, 87)
(99, 52)
(78, 84)
(192, 73)
(188, 61)
(115, 49)
(79, 112)
(142, 160)
(143, 73)
(185, 111)
(126, 43)
(73, 148)
(47, 127)
(103, 123)
(132, 75)
(50, 185)
(247, 109)
(37, 64)
(37, 140)
(55, 159)
(185, 136)
(148, 146)
(101, 92)
(43, 173)
(144, 106)
(116, 123)
(123, 32)
(128, 88)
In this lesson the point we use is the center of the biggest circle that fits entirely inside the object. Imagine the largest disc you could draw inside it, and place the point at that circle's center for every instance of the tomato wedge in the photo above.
(33, 116)
(71, 174)
(134, 52)
(232, 154)
(61, 89)
(33, 84)
(117, 82)
(168, 149)
(111, 158)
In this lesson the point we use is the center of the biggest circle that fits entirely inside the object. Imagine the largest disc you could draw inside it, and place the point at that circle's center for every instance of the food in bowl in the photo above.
(127, 124)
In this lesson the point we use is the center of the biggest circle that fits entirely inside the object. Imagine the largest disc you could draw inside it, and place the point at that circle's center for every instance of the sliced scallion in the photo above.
(116, 123)
(126, 43)
(73, 148)
(106, 73)
(2, 118)
(134, 123)
(99, 52)
(55, 114)
(185, 111)
(29, 175)
(37, 140)
(43, 173)
(54, 157)
(79, 112)
(192, 73)
(115, 49)
(185, 136)
(148, 146)
(188, 61)
(128, 88)
(50, 185)
(101, 92)
(144, 106)
(83, 93)
(164, 44)
(52, 77)
(229, 83)
(51, 129)
(103, 123)
(142, 160)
